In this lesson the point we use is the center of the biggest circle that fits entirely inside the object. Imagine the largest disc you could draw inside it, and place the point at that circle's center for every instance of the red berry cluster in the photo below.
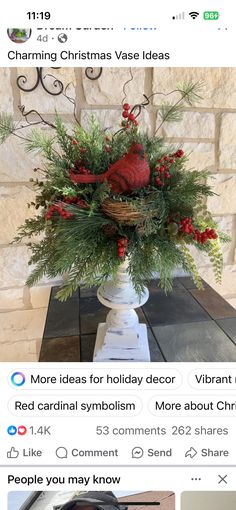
(203, 237)
(122, 245)
(75, 200)
(107, 144)
(178, 154)
(163, 167)
(82, 150)
(70, 200)
(60, 210)
(82, 203)
(187, 227)
(162, 170)
(130, 117)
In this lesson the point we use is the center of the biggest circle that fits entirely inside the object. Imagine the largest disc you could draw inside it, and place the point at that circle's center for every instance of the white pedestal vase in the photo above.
(121, 337)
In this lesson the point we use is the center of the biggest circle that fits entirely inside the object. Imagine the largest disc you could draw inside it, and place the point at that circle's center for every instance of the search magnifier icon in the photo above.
(61, 452)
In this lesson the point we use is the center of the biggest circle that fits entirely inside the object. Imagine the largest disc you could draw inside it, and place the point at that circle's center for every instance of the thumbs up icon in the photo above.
(13, 453)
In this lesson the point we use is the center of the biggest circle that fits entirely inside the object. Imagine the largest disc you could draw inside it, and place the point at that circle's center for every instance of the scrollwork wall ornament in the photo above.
(54, 87)
(93, 73)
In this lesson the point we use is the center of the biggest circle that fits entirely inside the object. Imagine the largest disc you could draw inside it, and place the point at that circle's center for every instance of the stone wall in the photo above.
(207, 131)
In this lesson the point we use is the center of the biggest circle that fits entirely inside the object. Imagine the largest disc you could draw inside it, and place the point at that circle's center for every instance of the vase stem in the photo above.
(121, 337)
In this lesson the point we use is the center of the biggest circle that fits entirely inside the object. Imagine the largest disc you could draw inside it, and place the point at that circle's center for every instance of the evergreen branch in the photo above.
(189, 92)
(40, 142)
(171, 113)
(6, 126)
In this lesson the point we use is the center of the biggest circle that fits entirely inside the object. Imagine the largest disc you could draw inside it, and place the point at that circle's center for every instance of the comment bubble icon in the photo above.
(61, 452)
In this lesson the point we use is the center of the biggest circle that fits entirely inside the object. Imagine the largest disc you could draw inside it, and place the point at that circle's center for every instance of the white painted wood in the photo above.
(121, 337)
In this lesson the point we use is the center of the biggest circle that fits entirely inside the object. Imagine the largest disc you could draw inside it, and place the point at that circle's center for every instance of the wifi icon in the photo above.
(194, 14)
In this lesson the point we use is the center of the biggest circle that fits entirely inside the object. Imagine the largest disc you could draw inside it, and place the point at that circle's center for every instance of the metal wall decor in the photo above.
(93, 73)
(40, 79)
(56, 87)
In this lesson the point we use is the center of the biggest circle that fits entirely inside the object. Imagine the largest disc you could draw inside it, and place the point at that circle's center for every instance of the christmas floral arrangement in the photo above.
(105, 196)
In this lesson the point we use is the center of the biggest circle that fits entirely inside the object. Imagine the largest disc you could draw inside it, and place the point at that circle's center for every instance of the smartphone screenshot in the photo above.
(118, 256)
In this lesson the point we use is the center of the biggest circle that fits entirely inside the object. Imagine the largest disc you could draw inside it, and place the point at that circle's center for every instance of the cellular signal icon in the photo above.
(181, 15)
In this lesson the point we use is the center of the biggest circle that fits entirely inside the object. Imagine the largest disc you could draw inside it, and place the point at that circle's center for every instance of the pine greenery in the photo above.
(81, 246)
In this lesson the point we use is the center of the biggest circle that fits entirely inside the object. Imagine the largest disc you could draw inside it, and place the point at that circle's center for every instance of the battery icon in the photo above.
(211, 15)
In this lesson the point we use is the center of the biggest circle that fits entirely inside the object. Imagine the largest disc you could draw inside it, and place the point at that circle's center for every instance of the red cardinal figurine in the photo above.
(125, 175)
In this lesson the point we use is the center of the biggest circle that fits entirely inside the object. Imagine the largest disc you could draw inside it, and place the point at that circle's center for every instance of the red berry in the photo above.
(125, 114)
(69, 200)
(82, 203)
(167, 175)
(131, 117)
(171, 161)
(135, 122)
(179, 153)
(123, 241)
(126, 106)
(162, 169)
(74, 142)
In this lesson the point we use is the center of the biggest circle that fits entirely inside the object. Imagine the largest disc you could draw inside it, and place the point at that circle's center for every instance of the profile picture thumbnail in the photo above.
(19, 35)
(91, 500)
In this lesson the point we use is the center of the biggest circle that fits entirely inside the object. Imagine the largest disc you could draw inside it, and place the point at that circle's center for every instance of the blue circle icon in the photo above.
(18, 379)
(12, 430)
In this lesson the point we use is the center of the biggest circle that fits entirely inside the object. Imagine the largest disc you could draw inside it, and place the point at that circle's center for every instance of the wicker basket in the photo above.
(124, 212)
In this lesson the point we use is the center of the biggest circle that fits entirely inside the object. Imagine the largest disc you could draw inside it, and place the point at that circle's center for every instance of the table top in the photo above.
(184, 325)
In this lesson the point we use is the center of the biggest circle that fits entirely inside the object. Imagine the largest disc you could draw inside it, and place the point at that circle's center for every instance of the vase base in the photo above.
(128, 344)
